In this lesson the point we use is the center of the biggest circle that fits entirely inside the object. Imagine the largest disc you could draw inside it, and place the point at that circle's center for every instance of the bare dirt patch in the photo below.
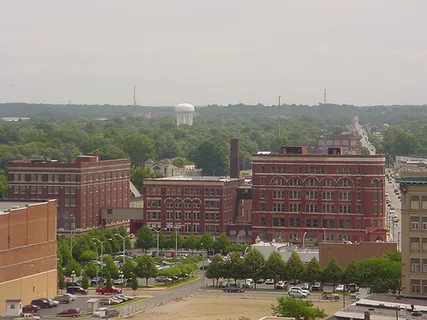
(214, 308)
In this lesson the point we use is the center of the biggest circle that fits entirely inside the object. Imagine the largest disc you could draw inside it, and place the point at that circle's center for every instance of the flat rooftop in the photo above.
(198, 178)
(6, 205)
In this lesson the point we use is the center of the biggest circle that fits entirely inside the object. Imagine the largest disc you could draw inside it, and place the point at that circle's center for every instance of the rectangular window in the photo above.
(311, 207)
(415, 286)
(262, 206)
(358, 224)
(277, 194)
(415, 202)
(294, 207)
(294, 195)
(311, 195)
(294, 222)
(358, 183)
(344, 196)
(358, 196)
(67, 190)
(177, 215)
(345, 209)
(169, 215)
(424, 202)
(358, 209)
(415, 223)
(341, 223)
(415, 244)
(278, 207)
(262, 194)
(331, 223)
(375, 210)
(187, 227)
(348, 224)
(415, 265)
(424, 243)
(424, 265)
(39, 189)
(33, 189)
(327, 195)
(328, 208)
(262, 221)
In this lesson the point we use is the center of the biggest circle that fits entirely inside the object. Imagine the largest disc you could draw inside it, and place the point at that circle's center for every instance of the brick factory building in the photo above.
(194, 205)
(82, 188)
(304, 198)
(27, 251)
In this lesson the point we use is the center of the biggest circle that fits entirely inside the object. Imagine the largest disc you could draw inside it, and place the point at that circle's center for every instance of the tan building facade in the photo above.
(413, 186)
(27, 251)
(345, 253)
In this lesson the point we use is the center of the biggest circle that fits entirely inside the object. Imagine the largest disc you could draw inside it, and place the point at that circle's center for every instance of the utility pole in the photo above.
(134, 95)
(278, 115)
(324, 96)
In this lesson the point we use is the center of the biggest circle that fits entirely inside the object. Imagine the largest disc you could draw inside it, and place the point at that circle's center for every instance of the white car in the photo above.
(280, 285)
(269, 281)
(100, 312)
(339, 288)
(307, 292)
(297, 294)
(72, 296)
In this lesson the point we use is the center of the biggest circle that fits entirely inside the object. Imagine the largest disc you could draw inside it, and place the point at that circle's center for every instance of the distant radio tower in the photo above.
(134, 95)
(278, 115)
(324, 96)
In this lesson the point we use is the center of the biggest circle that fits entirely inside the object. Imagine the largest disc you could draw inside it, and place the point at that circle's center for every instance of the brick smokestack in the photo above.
(234, 158)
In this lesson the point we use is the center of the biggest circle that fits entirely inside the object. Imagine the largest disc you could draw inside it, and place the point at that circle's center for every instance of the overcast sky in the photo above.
(213, 52)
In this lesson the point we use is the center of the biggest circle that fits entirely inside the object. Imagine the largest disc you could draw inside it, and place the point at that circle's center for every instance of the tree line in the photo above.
(381, 274)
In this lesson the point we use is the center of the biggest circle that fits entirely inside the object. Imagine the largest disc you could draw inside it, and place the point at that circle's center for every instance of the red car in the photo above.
(108, 291)
(69, 313)
(31, 308)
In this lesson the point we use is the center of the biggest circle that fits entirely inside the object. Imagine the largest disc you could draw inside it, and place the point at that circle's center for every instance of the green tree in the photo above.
(216, 269)
(146, 268)
(211, 158)
(222, 242)
(61, 281)
(294, 267)
(179, 162)
(207, 241)
(313, 271)
(139, 174)
(88, 255)
(134, 283)
(109, 283)
(110, 268)
(235, 266)
(351, 274)
(128, 268)
(364, 151)
(85, 281)
(275, 267)
(298, 309)
(191, 242)
(90, 269)
(71, 266)
(255, 265)
(333, 272)
(145, 239)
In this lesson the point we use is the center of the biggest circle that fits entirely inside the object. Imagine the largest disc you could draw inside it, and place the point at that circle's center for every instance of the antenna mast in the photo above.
(278, 115)
(324, 96)
(134, 95)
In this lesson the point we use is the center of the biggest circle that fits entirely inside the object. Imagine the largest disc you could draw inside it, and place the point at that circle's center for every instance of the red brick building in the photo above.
(304, 198)
(82, 188)
(193, 204)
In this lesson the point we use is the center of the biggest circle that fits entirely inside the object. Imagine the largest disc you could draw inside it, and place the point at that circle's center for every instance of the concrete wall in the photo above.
(345, 253)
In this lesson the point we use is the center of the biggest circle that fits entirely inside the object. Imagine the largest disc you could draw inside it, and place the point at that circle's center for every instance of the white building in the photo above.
(184, 114)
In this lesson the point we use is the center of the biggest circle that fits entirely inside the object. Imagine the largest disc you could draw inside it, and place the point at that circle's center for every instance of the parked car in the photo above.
(27, 316)
(330, 296)
(62, 299)
(120, 281)
(297, 294)
(76, 289)
(97, 281)
(317, 286)
(105, 290)
(72, 296)
(281, 285)
(163, 279)
(307, 292)
(30, 308)
(123, 296)
(269, 281)
(233, 289)
(339, 288)
(100, 312)
(42, 303)
(53, 302)
(75, 312)
(109, 302)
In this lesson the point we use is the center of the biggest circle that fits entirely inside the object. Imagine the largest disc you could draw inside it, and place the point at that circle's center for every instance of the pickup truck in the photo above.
(108, 291)
(27, 316)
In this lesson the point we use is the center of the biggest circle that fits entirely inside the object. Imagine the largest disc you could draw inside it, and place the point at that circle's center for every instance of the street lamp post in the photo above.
(203, 267)
(102, 251)
(303, 239)
(124, 245)
(157, 231)
(121, 276)
(176, 240)
(73, 274)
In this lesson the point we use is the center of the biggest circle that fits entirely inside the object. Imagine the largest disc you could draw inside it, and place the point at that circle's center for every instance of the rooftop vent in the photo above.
(40, 159)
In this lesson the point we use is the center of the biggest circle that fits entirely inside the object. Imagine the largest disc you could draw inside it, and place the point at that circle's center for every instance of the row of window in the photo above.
(313, 207)
(418, 203)
(43, 177)
(419, 223)
(314, 195)
(418, 265)
(311, 182)
(177, 215)
(39, 190)
(279, 236)
(189, 228)
(178, 203)
(319, 223)
(317, 170)
(417, 285)
(177, 191)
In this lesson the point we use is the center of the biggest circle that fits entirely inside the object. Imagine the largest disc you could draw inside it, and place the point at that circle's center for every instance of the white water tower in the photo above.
(184, 114)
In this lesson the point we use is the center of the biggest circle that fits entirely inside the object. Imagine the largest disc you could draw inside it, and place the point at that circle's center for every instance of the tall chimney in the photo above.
(234, 158)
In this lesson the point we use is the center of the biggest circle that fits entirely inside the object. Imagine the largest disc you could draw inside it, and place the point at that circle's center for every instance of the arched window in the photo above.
(169, 203)
(375, 183)
(328, 183)
(187, 203)
(295, 182)
(311, 182)
(178, 203)
(345, 183)
(277, 182)
(196, 203)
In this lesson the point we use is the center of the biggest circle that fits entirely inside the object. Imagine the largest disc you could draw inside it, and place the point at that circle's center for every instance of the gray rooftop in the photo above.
(198, 178)
(6, 205)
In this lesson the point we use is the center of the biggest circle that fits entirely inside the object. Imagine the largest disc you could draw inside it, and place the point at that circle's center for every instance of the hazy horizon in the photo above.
(222, 52)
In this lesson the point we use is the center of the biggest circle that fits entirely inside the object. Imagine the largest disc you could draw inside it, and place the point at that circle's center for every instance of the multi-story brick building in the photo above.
(351, 142)
(304, 198)
(82, 188)
(27, 251)
(413, 186)
(194, 205)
